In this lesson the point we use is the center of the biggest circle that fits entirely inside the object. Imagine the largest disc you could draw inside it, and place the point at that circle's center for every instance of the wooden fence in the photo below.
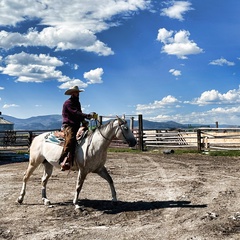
(18, 139)
(169, 139)
(218, 139)
(202, 139)
(22, 139)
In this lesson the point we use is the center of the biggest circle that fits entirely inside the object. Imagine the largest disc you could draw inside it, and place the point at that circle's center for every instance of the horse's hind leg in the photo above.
(31, 167)
(104, 174)
(48, 168)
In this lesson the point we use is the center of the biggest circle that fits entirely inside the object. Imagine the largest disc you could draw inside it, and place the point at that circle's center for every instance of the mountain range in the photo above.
(36, 123)
(49, 122)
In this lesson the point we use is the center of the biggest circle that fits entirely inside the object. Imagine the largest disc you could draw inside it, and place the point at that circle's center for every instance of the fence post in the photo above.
(199, 140)
(30, 138)
(100, 119)
(132, 123)
(140, 132)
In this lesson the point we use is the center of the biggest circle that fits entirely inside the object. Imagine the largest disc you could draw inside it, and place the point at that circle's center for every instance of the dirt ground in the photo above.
(186, 197)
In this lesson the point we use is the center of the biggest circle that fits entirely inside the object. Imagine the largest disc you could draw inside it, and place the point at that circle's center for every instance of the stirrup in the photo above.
(65, 166)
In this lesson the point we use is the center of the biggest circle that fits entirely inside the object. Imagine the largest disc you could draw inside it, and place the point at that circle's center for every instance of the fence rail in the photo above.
(19, 139)
(218, 139)
(203, 139)
(164, 138)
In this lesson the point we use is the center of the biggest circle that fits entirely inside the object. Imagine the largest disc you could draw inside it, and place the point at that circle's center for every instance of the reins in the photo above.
(99, 127)
(119, 127)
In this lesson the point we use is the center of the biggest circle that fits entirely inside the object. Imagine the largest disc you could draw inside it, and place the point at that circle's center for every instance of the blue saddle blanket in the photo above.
(52, 138)
(56, 138)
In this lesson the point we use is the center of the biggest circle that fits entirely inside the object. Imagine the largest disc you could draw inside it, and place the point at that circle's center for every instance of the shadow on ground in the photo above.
(110, 207)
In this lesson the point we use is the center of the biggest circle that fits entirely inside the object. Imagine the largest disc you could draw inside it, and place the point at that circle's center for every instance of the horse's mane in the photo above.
(101, 128)
(105, 125)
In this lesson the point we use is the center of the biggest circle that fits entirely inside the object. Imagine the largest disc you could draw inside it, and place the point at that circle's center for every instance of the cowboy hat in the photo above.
(71, 90)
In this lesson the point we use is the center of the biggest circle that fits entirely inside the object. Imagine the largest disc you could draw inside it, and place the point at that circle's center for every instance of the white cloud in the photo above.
(1, 88)
(165, 102)
(177, 10)
(221, 61)
(72, 83)
(215, 97)
(66, 26)
(75, 67)
(94, 76)
(222, 115)
(59, 39)
(226, 108)
(40, 68)
(177, 43)
(32, 67)
(175, 72)
(10, 105)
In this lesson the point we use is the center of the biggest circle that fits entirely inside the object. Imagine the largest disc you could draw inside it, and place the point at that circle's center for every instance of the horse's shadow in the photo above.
(110, 207)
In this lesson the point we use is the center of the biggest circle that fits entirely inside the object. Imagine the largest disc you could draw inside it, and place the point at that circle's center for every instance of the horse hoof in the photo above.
(46, 202)
(20, 200)
(77, 207)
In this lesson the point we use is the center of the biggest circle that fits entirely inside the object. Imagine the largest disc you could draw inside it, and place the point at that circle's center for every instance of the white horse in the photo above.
(90, 156)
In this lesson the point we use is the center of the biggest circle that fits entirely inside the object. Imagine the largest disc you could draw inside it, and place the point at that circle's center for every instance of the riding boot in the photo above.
(62, 157)
(66, 163)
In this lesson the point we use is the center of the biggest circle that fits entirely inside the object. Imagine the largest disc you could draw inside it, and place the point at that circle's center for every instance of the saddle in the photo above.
(57, 137)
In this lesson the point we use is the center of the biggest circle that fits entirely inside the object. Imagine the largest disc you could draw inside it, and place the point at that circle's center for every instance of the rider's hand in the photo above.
(92, 115)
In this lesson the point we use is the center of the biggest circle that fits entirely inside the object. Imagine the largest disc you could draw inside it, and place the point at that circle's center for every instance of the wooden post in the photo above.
(140, 132)
(199, 140)
(30, 138)
(132, 123)
(100, 119)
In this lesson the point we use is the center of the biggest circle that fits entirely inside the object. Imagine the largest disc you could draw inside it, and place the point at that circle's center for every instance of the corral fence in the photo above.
(212, 139)
(202, 139)
(22, 139)
(164, 138)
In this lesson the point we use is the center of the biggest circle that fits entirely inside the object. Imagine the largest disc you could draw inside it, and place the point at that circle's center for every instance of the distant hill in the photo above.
(36, 123)
(55, 121)
(49, 122)
(162, 125)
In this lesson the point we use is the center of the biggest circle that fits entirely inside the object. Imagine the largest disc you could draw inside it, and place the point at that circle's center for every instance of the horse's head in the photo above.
(124, 132)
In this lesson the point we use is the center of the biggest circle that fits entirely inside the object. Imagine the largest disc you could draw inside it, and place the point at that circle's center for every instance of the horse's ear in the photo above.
(120, 121)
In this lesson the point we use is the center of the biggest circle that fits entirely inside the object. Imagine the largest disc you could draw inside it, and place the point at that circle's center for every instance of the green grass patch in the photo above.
(176, 151)
(183, 151)
(129, 150)
(229, 153)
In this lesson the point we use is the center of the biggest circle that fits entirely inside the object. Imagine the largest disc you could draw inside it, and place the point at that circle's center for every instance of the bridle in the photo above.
(120, 127)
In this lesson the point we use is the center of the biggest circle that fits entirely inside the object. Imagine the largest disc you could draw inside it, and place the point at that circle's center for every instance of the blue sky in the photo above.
(167, 60)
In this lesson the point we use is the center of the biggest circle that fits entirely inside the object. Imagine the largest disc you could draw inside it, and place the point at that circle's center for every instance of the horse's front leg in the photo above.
(104, 174)
(48, 169)
(80, 181)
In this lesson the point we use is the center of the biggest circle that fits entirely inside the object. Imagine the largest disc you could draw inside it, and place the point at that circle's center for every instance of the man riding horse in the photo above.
(72, 119)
